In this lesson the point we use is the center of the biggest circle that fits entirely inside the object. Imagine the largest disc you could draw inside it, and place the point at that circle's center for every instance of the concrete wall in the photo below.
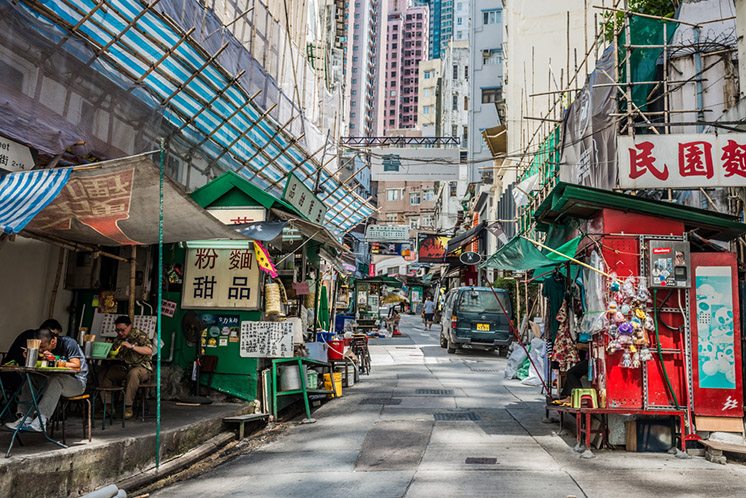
(27, 273)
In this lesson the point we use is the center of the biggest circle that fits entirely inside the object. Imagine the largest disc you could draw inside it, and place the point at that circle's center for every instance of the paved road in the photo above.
(428, 424)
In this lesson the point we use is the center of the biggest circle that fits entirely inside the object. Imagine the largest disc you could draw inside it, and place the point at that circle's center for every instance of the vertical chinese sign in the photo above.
(682, 161)
(221, 279)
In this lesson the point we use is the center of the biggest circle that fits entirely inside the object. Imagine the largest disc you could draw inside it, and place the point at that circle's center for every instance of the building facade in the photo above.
(429, 104)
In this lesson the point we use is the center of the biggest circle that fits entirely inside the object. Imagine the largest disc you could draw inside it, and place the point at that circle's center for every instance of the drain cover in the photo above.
(455, 416)
(380, 401)
(485, 370)
(481, 461)
(435, 392)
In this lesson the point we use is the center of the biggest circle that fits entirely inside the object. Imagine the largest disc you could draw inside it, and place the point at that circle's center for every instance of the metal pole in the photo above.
(698, 72)
(160, 309)
(133, 275)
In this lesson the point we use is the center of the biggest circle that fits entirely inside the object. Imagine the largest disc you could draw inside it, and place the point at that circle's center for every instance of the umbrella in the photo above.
(324, 309)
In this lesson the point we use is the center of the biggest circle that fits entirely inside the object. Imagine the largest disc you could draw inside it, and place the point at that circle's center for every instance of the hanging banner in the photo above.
(588, 138)
(266, 340)
(264, 260)
(685, 161)
(716, 336)
(431, 248)
(221, 279)
(391, 249)
(387, 233)
(298, 195)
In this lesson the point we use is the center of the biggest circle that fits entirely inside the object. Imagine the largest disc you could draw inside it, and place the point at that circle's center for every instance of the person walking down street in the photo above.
(429, 309)
(68, 385)
(134, 350)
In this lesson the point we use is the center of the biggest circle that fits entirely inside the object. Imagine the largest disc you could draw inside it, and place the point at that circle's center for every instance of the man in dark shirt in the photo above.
(12, 381)
(57, 384)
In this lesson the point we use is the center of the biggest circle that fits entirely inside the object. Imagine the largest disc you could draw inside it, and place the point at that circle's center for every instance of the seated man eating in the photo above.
(58, 384)
(135, 350)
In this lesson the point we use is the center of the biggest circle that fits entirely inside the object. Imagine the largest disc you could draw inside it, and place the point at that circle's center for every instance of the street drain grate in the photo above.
(380, 401)
(480, 461)
(455, 416)
(435, 392)
(485, 370)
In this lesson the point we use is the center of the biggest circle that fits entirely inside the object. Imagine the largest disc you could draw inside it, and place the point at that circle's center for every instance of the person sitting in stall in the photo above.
(574, 376)
(66, 349)
(134, 350)
(16, 356)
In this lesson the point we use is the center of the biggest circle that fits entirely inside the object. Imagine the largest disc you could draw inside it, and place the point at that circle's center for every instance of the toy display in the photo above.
(628, 321)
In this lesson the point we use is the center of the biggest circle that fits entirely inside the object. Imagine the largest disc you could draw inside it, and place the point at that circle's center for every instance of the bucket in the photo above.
(289, 378)
(350, 376)
(336, 350)
(312, 379)
(337, 384)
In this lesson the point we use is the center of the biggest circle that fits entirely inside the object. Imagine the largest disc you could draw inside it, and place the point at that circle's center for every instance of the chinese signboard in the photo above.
(301, 198)
(682, 161)
(239, 216)
(387, 233)
(221, 279)
(14, 156)
(431, 248)
(266, 340)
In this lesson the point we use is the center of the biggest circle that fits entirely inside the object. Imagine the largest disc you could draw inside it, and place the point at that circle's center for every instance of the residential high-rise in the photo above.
(406, 45)
(440, 24)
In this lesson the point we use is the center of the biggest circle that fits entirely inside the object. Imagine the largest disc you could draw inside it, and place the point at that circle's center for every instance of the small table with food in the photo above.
(36, 392)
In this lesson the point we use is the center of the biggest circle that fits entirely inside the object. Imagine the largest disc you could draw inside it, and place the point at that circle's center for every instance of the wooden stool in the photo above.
(142, 393)
(112, 390)
(87, 414)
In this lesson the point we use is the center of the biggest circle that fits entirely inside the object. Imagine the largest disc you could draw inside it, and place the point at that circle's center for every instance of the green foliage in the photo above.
(662, 8)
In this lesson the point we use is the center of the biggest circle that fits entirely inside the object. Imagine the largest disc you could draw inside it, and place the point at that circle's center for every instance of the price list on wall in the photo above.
(266, 340)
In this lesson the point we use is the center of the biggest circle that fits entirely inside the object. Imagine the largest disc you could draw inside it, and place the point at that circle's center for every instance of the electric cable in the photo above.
(660, 350)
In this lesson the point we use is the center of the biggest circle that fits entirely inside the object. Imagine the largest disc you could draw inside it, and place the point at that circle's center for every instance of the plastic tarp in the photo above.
(115, 203)
(520, 254)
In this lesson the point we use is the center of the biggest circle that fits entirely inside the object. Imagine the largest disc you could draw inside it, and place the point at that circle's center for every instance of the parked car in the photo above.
(473, 318)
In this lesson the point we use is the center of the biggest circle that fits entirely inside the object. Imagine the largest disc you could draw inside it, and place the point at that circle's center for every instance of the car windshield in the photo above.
(479, 301)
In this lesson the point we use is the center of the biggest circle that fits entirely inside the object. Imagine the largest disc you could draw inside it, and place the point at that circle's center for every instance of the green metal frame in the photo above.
(304, 388)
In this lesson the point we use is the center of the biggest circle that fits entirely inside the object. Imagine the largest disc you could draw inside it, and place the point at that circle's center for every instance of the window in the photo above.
(459, 21)
(354, 92)
(455, 71)
(465, 137)
(454, 104)
(491, 95)
(428, 195)
(414, 199)
(394, 270)
(392, 217)
(428, 220)
(491, 16)
(454, 130)
(392, 194)
(466, 103)
(392, 93)
(492, 56)
(426, 92)
(452, 189)
(414, 223)
(426, 110)
(428, 75)
(466, 73)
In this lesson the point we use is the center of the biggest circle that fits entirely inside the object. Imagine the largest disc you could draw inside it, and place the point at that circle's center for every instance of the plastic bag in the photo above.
(537, 354)
(517, 356)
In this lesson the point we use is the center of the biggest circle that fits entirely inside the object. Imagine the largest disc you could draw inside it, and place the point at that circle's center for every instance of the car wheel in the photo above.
(451, 347)
(443, 342)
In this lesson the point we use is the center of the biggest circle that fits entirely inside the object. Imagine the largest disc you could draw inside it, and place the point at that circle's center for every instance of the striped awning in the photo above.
(23, 195)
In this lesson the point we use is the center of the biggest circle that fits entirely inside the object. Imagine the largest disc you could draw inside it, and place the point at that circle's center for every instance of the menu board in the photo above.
(266, 340)
(221, 279)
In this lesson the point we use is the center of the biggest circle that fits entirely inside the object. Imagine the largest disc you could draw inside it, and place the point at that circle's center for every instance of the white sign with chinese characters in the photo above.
(239, 216)
(301, 198)
(266, 340)
(682, 161)
(14, 156)
(387, 233)
(220, 279)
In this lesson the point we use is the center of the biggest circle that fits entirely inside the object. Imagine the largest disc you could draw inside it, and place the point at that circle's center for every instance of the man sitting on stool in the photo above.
(59, 384)
(135, 350)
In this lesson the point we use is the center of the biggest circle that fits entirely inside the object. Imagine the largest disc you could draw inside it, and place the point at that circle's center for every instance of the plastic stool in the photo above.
(581, 395)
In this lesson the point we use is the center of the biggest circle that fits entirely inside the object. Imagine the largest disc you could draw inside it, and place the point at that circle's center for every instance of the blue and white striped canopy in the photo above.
(210, 108)
(23, 195)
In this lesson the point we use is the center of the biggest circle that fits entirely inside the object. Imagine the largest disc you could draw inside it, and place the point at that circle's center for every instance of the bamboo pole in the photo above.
(133, 280)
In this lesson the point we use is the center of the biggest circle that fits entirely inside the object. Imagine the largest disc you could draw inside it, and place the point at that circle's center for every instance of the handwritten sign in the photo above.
(168, 308)
(685, 161)
(221, 279)
(266, 340)
(298, 195)
(301, 288)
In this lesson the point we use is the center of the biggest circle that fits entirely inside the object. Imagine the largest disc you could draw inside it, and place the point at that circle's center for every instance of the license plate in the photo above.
(483, 327)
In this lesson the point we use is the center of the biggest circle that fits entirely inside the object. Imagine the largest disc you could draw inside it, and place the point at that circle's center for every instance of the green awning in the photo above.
(519, 254)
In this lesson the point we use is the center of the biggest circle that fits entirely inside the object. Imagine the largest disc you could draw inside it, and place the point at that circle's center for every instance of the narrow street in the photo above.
(426, 423)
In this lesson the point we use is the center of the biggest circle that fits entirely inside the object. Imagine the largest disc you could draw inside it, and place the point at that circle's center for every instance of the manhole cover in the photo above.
(380, 401)
(455, 416)
(435, 392)
(481, 461)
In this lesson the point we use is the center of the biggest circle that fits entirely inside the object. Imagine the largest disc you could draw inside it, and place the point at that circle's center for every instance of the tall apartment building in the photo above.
(461, 16)
(407, 203)
(406, 45)
(485, 80)
(440, 25)
(364, 60)
(429, 105)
